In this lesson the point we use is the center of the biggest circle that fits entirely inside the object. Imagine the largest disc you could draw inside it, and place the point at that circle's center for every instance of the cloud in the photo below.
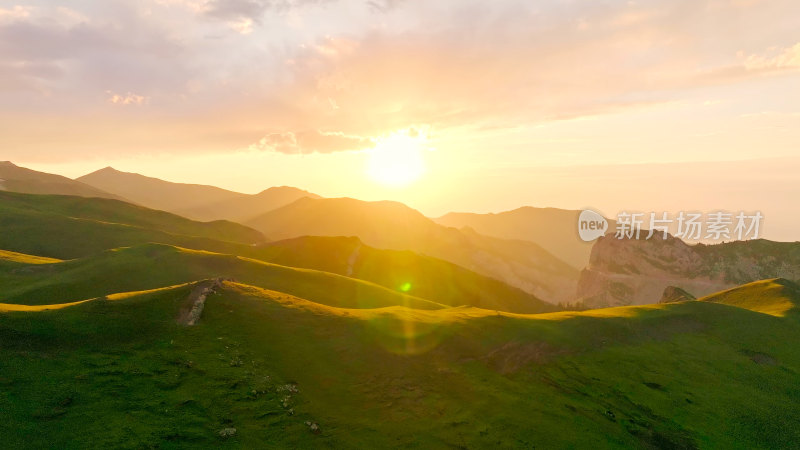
(15, 13)
(518, 64)
(251, 11)
(786, 58)
(383, 6)
(128, 98)
(311, 142)
(237, 9)
(290, 66)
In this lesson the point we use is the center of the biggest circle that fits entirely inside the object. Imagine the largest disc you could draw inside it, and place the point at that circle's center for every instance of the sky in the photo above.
(453, 105)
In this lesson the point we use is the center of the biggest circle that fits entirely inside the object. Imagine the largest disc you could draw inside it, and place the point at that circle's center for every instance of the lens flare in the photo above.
(404, 334)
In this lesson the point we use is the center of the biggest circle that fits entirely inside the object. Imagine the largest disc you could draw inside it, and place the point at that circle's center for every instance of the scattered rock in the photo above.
(287, 388)
(227, 432)
(313, 427)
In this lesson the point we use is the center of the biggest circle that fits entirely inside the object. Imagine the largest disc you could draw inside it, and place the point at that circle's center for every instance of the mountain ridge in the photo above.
(554, 229)
(192, 200)
(393, 225)
(14, 178)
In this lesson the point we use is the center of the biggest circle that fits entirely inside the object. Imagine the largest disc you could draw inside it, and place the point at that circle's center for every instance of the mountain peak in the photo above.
(7, 164)
(105, 170)
(281, 189)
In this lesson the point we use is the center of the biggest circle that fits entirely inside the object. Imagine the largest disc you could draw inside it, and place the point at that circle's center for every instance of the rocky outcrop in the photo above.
(674, 294)
(193, 307)
(637, 271)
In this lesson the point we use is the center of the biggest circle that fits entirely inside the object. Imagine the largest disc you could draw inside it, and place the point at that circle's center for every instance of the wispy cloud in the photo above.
(311, 142)
(455, 63)
(128, 98)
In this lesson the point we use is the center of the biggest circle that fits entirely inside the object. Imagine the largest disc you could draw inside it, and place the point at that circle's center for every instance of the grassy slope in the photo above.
(420, 275)
(18, 208)
(21, 258)
(392, 225)
(123, 374)
(57, 236)
(47, 225)
(151, 266)
(777, 296)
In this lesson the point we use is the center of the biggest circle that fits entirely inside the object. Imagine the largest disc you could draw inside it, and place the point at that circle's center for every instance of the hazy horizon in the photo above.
(556, 187)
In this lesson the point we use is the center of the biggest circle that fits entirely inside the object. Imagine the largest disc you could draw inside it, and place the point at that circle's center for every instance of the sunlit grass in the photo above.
(26, 259)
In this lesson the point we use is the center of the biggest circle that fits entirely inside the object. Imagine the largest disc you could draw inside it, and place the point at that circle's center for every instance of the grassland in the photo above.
(776, 296)
(311, 347)
(120, 372)
(151, 266)
(64, 227)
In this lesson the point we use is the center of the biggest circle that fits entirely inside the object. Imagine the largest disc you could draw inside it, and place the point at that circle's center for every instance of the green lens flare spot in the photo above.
(405, 287)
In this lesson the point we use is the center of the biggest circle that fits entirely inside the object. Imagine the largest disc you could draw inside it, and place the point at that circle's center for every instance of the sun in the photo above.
(397, 159)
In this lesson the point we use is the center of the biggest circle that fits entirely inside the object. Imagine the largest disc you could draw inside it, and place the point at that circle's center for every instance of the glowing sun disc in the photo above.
(396, 160)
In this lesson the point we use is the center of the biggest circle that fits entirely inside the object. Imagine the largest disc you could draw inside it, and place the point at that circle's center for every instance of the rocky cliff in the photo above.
(637, 271)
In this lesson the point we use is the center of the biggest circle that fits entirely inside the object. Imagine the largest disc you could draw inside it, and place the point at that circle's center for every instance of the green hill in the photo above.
(777, 297)
(151, 266)
(267, 369)
(405, 271)
(395, 226)
(70, 227)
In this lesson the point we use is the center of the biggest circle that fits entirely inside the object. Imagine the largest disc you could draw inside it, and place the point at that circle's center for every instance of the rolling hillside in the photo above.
(69, 227)
(318, 342)
(132, 269)
(406, 271)
(152, 266)
(267, 368)
(392, 225)
(72, 227)
(778, 297)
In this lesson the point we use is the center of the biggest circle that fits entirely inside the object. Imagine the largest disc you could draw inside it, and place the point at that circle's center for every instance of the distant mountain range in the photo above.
(392, 225)
(195, 201)
(553, 229)
(287, 212)
(76, 228)
(535, 250)
(19, 179)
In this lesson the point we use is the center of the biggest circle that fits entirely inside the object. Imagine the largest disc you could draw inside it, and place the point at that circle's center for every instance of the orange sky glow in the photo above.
(446, 106)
